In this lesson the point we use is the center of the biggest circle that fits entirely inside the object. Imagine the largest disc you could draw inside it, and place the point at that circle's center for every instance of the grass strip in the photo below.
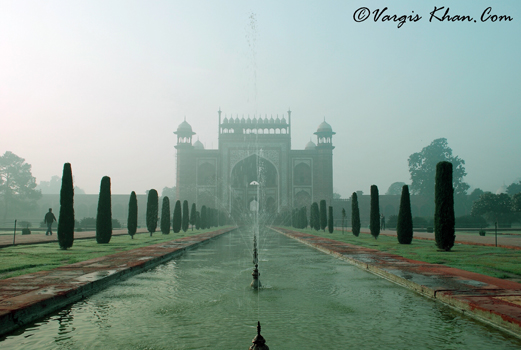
(491, 261)
(24, 259)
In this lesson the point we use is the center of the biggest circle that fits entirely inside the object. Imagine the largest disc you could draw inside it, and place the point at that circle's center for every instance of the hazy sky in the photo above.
(104, 84)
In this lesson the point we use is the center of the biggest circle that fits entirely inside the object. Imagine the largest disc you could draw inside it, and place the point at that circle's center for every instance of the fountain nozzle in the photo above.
(259, 343)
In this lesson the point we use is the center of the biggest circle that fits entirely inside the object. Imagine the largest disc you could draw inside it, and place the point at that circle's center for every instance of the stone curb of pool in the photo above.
(491, 300)
(27, 298)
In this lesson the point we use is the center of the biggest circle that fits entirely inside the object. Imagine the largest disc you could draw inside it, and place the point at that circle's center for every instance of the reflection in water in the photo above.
(310, 300)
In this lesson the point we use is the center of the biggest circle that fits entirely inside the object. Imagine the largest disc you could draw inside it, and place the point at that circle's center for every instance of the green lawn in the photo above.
(491, 261)
(23, 259)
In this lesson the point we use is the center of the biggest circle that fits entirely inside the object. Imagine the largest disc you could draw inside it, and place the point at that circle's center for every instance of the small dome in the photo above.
(277, 120)
(225, 121)
(324, 127)
(184, 129)
(310, 146)
(198, 145)
(283, 120)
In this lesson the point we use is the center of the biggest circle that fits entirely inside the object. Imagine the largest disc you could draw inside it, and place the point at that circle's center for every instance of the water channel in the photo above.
(310, 300)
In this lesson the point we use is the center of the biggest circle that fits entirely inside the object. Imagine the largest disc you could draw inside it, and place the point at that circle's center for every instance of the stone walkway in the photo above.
(26, 298)
(35, 238)
(492, 300)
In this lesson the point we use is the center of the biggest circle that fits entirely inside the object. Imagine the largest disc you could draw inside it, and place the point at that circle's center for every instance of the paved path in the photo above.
(35, 238)
(492, 300)
(26, 298)
(511, 241)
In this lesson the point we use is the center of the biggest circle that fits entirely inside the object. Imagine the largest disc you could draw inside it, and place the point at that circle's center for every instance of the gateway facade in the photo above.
(254, 163)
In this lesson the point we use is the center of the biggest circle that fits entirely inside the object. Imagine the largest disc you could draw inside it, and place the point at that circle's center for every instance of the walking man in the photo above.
(382, 222)
(49, 219)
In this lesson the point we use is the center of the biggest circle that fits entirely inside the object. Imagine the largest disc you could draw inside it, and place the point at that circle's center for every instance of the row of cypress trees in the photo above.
(319, 218)
(444, 219)
(182, 218)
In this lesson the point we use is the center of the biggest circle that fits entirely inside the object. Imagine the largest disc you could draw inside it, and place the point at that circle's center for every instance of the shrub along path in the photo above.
(492, 300)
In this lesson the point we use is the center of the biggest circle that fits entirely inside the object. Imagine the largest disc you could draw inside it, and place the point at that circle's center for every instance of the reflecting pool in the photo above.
(309, 300)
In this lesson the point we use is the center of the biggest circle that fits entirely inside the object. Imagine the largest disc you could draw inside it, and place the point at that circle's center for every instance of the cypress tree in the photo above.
(66, 218)
(193, 215)
(444, 207)
(375, 213)
(330, 220)
(323, 215)
(311, 218)
(132, 215)
(165, 216)
(355, 215)
(203, 217)
(315, 213)
(197, 220)
(404, 225)
(177, 220)
(186, 216)
(104, 217)
(152, 211)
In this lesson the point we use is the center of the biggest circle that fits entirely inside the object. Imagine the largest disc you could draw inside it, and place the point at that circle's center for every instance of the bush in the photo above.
(469, 221)
(482, 232)
(392, 220)
(116, 223)
(88, 223)
(430, 229)
(26, 231)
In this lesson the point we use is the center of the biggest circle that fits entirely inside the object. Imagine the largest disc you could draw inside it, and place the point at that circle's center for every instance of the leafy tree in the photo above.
(66, 218)
(104, 217)
(395, 188)
(169, 192)
(17, 184)
(152, 210)
(374, 220)
(422, 167)
(165, 216)
(444, 207)
(355, 215)
(514, 188)
(516, 203)
(315, 216)
(203, 217)
(193, 215)
(470, 221)
(336, 195)
(330, 220)
(404, 224)
(474, 196)
(54, 186)
(495, 207)
(116, 223)
(132, 215)
(323, 215)
(177, 220)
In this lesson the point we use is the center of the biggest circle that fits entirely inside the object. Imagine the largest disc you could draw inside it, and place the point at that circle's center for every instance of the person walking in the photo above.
(382, 222)
(49, 219)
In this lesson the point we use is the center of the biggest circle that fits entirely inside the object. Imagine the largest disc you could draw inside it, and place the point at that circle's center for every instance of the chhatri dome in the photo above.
(198, 145)
(184, 128)
(324, 127)
(310, 146)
